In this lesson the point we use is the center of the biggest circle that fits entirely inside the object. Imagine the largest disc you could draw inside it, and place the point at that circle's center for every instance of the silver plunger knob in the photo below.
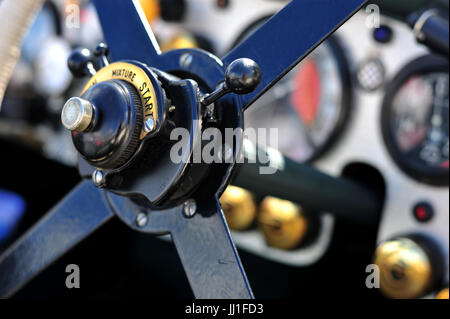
(77, 114)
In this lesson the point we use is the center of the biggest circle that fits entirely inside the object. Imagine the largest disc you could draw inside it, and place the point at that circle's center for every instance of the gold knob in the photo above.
(179, 41)
(282, 223)
(405, 269)
(239, 208)
(151, 9)
(443, 294)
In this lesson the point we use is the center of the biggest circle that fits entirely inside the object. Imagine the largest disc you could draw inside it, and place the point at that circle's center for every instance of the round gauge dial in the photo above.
(308, 106)
(416, 120)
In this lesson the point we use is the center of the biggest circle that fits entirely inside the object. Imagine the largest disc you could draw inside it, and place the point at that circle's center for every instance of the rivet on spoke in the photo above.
(190, 208)
(141, 220)
(98, 178)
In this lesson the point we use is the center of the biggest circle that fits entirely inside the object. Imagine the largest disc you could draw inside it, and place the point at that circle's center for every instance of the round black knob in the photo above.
(101, 53)
(80, 62)
(101, 50)
(243, 76)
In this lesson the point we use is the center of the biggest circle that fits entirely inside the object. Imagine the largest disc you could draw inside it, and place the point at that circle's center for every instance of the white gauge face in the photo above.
(415, 120)
(306, 106)
(419, 121)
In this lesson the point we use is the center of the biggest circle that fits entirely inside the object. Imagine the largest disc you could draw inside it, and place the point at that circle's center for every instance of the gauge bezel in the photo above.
(334, 44)
(345, 76)
(421, 66)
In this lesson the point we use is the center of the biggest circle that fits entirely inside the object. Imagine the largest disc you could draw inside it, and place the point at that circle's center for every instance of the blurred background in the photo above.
(370, 104)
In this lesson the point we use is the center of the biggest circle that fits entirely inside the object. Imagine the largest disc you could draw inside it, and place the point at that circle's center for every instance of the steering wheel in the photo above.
(123, 124)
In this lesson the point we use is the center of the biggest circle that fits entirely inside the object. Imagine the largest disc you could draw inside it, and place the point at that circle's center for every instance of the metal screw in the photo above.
(190, 208)
(98, 178)
(186, 60)
(141, 220)
(149, 125)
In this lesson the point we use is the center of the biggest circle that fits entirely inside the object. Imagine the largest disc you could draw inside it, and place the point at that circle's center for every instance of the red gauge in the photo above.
(309, 105)
(306, 97)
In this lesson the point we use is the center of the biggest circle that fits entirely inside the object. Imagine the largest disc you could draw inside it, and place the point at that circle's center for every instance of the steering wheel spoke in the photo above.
(203, 243)
(76, 216)
(289, 36)
(127, 31)
(208, 254)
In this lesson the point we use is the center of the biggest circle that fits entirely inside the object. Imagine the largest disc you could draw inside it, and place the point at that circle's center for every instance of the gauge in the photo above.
(415, 119)
(309, 106)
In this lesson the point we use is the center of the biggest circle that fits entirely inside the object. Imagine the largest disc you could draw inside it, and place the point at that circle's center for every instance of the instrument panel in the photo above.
(365, 138)
(366, 95)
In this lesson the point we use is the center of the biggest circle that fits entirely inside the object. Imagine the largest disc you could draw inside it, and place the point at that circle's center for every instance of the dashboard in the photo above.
(370, 104)
(367, 98)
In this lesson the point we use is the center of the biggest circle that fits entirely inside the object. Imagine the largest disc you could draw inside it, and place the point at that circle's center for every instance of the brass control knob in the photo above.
(408, 268)
(282, 223)
(179, 41)
(443, 294)
(239, 207)
(151, 9)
